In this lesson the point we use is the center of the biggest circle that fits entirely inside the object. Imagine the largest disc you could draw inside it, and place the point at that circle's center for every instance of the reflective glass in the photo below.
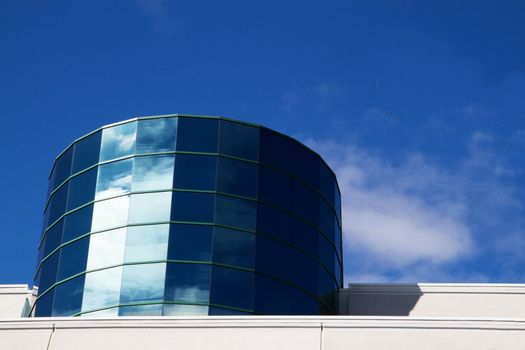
(272, 258)
(73, 258)
(86, 152)
(141, 310)
(57, 204)
(118, 141)
(142, 283)
(305, 164)
(326, 281)
(190, 206)
(274, 222)
(156, 135)
(106, 313)
(326, 183)
(82, 189)
(235, 212)
(146, 243)
(110, 213)
(327, 220)
(195, 172)
(44, 304)
(152, 173)
(114, 178)
(326, 253)
(302, 304)
(275, 188)
(187, 283)
(231, 287)
(305, 203)
(102, 289)
(63, 167)
(106, 249)
(190, 242)
(275, 150)
(305, 236)
(197, 135)
(232, 247)
(48, 273)
(77, 223)
(237, 177)
(239, 140)
(149, 207)
(303, 271)
(53, 237)
(68, 300)
(215, 311)
(338, 204)
(184, 310)
(271, 297)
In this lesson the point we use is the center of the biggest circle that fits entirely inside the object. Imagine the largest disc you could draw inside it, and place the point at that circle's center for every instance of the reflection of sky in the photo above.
(185, 310)
(106, 249)
(150, 207)
(156, 135)
(102, 288)
(153, 173)
(145, 243)
(118, 141)
(114, 179)
(143, 283)
(110, 213)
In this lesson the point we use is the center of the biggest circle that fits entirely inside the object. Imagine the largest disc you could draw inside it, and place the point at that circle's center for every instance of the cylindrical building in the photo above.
(186, 215)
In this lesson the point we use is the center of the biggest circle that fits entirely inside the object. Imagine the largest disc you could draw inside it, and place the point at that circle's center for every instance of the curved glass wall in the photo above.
(185, 215)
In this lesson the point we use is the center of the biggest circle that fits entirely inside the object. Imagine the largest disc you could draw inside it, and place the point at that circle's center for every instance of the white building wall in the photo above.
(12, 300)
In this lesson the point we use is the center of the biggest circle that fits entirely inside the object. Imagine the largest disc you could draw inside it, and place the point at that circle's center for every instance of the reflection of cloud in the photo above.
(190, 293)
(143, 282)
(114, 179)
(150, 207)
(110, 213)
(102, 288)
(106, 249)
(153, 173)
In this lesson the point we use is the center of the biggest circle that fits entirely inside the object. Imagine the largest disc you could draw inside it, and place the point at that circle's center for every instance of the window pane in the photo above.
(305, 203)
(237, 177)
(149, 207)
(146, 243)
(305, 236)
(190, 242)
(326, 183)
(142, 283)
(326, 282)
(188, 283)
(141, 310)
(184, 310)
(195, 172)
(77, 223)
(232, 287)
(73, 258)
(302, 304)
(272, 258)
(239, 140)
(48, 273)
(327, 220)
(235, 212)
(156, 135)
(82, 189)
(233, 247)
(271, 297)
(44, 305)
(86, 152)
(118, 141)
(68, 299)
(303, 271)
(274, 222)
(213, 310)
(189, 206)
(110, 213)
(326, 253)
(53, 237)
(102, 289)
(275, 150)
(63, 167)
(106, 249)
(152, 173)
(275, 188)
(57, 205)
(197, 135)
(114, 179)
(305, 164)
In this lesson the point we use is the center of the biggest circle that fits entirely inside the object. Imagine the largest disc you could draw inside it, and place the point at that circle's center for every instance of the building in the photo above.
(185, 215)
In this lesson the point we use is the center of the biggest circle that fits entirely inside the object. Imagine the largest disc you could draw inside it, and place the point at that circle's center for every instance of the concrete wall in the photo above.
(253, 332)
(13, 299)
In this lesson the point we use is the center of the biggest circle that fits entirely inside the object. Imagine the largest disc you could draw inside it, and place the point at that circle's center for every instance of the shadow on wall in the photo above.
(379, 299)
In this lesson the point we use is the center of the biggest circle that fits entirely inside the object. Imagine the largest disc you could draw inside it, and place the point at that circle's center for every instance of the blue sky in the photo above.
(419, 106)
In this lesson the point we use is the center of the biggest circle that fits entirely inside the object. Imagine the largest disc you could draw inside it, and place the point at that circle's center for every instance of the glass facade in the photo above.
(185, 215)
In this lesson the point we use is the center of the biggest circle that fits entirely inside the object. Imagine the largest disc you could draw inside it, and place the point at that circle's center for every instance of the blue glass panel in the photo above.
(275, 150)
(272, 258)
(187, 283)
(190, 242)
(141, 310)
(337, 242)
(195, 172)
(57, 206)
(305, 236)
(326, 183)
(235, 212)
(303, 271)
(185, 310)
(305, 165)
(51, 182)
(102, 289)
(44, 305)
(156, 135)
(68, 297)
(63, 167)
(326, 253)
(86, 152)
(118, 141)
(302, 304)
(271, 297)
(232, 247)
(197, 135)
(53, 237)
(338, 274)
(106, 249)
(231, 287)
(237, 177)
(275, 188)
(274, 222)
(114, 178)
(306, 203)
(152, 173)
(142, 283)
(48, 273)
(326, 282)
(327, 220)
(219, 311)
(239, 140)
(82, 189)
(77, 223)
(73, 258)
(189, 206)
(338, 204)
(147, 243)
(149, 207)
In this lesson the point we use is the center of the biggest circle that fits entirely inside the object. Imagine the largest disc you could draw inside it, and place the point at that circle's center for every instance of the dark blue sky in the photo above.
(419, 106)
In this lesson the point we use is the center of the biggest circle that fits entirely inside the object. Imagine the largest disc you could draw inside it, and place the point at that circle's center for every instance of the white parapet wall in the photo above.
(14, 300)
